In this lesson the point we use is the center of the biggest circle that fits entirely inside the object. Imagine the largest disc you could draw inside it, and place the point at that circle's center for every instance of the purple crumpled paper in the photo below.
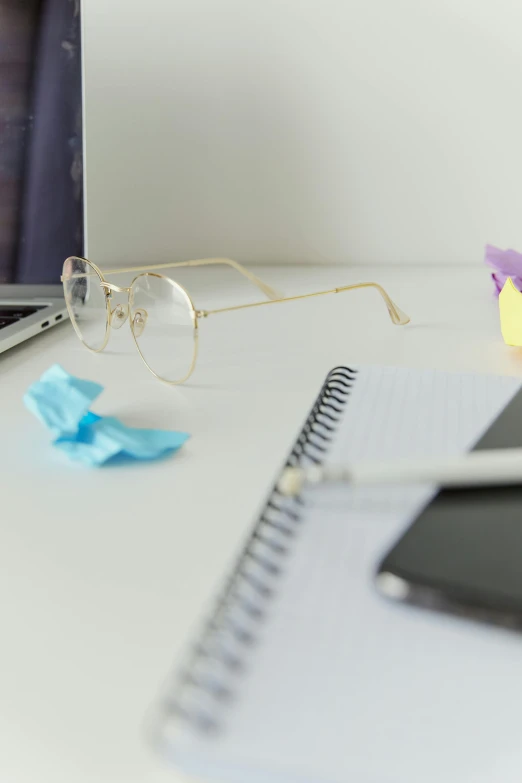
(505, 263)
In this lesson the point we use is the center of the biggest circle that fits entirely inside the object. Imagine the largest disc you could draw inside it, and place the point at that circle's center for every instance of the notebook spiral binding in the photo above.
(211, 674)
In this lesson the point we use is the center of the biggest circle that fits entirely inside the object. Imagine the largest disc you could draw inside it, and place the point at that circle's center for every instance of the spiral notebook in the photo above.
(303, 673)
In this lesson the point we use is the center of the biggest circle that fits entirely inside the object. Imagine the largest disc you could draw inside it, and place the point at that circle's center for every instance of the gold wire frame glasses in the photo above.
(162, 317)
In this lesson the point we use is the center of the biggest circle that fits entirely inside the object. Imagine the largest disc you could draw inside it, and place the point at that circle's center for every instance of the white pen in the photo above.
(488, 467)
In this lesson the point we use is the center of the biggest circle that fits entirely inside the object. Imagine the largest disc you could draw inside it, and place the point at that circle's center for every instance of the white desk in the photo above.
(105, 573)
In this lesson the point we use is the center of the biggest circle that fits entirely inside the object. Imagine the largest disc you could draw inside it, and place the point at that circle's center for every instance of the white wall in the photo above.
(304, 130)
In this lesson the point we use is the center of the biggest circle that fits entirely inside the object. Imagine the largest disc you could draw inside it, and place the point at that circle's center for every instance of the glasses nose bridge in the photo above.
(118, 314)
(109, 287)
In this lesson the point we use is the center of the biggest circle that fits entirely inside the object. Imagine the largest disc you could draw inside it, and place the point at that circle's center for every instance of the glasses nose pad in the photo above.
(119, 315)
(139, 322)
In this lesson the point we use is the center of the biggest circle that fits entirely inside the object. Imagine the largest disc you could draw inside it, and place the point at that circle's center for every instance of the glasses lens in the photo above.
(86, 302)
(163, 325)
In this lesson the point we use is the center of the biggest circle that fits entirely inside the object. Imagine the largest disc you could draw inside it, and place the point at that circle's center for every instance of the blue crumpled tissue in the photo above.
(62, 403)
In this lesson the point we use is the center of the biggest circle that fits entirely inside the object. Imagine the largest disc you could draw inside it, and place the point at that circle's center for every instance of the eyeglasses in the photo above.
(163, 319)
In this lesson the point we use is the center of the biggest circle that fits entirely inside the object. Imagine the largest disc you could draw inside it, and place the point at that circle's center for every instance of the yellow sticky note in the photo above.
(510, 303)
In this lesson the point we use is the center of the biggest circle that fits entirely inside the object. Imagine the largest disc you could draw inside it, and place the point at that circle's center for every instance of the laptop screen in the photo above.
(41, 165)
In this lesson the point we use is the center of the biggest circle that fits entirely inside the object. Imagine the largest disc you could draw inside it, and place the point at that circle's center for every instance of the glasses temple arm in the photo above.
(398, 317)
(266, 289)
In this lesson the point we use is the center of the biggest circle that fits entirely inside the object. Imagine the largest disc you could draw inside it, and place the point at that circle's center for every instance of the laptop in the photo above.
(41, 161)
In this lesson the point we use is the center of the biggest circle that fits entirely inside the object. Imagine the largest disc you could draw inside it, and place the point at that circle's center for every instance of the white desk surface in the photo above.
(106, 573)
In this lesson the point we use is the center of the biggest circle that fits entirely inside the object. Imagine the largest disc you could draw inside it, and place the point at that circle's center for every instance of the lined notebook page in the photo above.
(342, 685)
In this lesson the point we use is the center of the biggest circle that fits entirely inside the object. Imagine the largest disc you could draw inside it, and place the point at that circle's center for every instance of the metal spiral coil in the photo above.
(217, 660)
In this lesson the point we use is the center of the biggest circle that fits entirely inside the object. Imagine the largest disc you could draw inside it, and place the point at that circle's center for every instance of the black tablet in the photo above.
(463, 553)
